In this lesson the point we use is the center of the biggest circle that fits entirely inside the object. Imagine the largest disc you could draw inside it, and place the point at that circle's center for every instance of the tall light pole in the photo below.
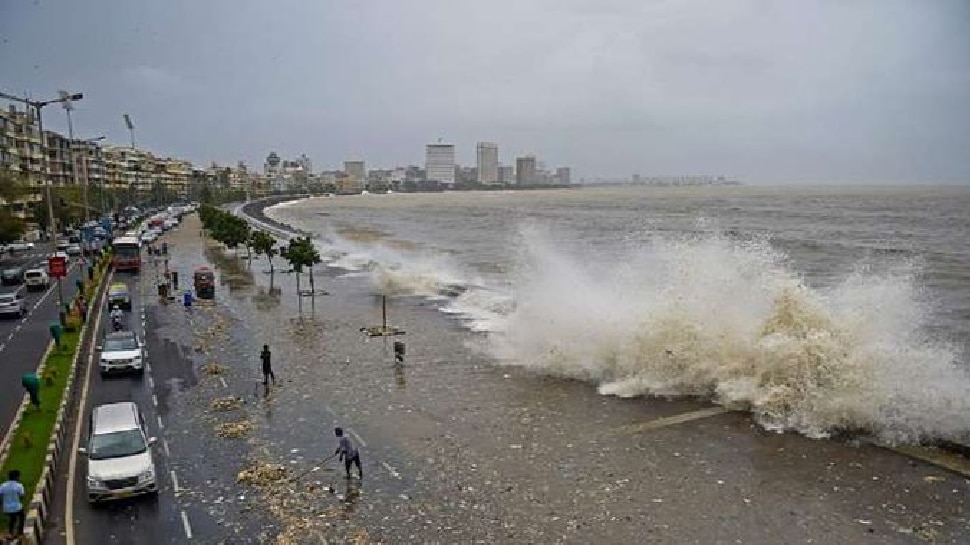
(38, 105)
(66, 103)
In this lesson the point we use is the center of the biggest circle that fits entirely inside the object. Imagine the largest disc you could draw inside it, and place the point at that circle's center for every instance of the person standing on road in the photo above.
(12, 494)
(348, 453)
(266, 356)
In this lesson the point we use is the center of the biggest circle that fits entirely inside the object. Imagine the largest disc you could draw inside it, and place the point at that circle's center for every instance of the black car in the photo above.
(12, 276)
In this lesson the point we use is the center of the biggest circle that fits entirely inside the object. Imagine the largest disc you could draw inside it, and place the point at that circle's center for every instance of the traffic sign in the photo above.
(57, 265)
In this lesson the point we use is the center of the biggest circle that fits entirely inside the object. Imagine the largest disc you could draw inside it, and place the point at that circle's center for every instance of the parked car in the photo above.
(12, 276)
(74, 249)
(118, 294)
(62, 245)
(36, 279)
(13, 302)
(120, 461)
(20, 246)
(121, 351)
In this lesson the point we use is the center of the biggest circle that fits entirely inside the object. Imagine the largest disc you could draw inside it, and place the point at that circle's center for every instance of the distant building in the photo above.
(563, 176)
(506, 174)
(271, 168)
(439, 164)
(305, 163)
(487, 163)
(525, 170)
(356, 171)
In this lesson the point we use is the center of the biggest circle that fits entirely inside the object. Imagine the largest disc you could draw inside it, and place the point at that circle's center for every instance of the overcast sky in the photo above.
(761, 90)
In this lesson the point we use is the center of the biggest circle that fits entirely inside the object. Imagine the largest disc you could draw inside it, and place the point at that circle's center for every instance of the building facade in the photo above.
(439, 164)
(525, 170)
(486, 154)
(506, 174)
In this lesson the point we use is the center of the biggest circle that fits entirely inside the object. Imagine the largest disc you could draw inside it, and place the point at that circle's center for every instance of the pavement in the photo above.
(455, 448)
(23, 341)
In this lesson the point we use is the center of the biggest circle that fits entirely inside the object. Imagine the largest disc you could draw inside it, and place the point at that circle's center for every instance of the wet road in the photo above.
(23, 341)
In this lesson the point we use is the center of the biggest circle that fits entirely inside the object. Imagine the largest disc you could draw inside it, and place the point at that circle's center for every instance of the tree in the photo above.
(301, 253)
(11, 227)
(263, 244)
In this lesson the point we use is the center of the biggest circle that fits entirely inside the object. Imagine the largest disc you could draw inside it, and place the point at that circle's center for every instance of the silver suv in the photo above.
(13, 302)
(120, 463)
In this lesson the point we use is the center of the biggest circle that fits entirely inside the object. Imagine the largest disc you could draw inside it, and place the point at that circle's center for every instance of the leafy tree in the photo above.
(11, 227)
(263, 244)
(301, 253)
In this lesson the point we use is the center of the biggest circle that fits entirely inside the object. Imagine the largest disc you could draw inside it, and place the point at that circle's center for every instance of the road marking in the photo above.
(18, 327)
(160, 425)
(186, 526)
(168, 453)
(155, 400)
(223, 381)
(671, 420)
(69, 501)
(151, 383)
(2, 346)
(390, 469)
(359, 439)
(175, 482)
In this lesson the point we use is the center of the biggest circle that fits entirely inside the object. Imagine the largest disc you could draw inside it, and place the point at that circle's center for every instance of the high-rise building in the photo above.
(525, 170)
(356, 170)
(271, 168)
(439, 163)
(487, 162)
(563, 175)
(506, 174)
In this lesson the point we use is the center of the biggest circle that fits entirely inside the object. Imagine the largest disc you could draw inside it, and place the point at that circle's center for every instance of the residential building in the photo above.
(487, 163)
(271, 168)
(525, 170)
(439, 163)
(356, 171)
(20, 148)
(506, 174)
(60, 171)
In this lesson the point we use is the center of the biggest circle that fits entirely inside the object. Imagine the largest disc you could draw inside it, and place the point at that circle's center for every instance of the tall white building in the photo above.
(487, 163)
(439, 163)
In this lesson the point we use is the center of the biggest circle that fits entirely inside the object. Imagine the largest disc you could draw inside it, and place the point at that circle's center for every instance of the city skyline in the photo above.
(873, 91)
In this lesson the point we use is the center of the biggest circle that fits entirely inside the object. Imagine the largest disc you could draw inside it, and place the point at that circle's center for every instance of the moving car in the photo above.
(62, 245)
(37, 279)
(74, 249)
(20, 246)
(121, 351)
(13, 302)
(12, 276)
(118, 294)
(120, 463)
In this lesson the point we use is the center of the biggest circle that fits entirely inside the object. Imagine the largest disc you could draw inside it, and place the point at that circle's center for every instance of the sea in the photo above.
(819, 309)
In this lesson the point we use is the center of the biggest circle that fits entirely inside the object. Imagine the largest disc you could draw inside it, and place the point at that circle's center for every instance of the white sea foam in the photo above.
(729, 320)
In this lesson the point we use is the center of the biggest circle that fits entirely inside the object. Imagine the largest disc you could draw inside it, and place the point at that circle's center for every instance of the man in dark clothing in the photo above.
(267, 366)
(348, 453)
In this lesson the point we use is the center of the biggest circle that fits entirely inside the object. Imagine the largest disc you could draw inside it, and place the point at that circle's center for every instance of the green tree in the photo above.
(264, 244)
(11, 227)
(301, 253)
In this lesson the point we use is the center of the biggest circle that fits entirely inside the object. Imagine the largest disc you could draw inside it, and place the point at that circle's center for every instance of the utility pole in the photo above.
(66, 103)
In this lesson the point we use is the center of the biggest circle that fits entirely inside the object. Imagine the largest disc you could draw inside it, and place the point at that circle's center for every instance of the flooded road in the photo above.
(457, 449)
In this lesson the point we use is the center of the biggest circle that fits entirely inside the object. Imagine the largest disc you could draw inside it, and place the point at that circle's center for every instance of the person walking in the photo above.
(12, 495)
(31, 383)
(266, 356)
(348, 453)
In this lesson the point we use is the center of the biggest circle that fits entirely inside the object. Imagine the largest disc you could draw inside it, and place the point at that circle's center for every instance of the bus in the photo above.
(127, 254)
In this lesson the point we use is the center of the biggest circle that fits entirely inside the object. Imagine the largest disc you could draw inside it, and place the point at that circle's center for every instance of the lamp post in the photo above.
(38, 105)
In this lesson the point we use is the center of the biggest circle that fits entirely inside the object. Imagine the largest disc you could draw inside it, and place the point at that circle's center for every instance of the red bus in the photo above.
(127, 254)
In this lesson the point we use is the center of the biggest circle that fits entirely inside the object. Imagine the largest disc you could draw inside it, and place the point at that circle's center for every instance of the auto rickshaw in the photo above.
(205, 283)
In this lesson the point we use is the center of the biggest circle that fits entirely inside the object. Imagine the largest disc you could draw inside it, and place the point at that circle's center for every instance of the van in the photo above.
(36, 279)
(119, 452)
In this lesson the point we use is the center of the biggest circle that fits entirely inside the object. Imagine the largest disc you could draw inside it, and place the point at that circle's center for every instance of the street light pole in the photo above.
(66, 103)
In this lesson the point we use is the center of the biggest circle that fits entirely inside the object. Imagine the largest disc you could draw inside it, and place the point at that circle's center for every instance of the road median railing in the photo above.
(37, 436)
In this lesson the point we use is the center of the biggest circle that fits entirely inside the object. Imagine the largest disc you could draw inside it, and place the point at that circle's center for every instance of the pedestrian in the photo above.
(348, 453)
(12, 494)
(266, 356)
(31, 383)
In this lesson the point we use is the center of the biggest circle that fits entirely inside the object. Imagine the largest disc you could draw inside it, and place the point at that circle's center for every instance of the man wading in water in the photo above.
(348, 453)
(267, 366)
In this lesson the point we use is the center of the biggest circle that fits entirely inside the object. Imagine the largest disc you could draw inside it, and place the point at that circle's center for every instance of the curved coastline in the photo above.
(256, 210)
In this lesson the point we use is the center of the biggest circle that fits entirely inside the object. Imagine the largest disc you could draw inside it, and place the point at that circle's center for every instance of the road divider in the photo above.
(37, 441)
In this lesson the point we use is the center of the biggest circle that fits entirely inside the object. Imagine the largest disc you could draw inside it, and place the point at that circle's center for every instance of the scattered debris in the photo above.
(228, 403)
(262, 474)
(234, 430)
(213, 369)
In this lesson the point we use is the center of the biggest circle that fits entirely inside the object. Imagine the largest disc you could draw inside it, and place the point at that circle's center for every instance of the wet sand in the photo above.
(457, 449)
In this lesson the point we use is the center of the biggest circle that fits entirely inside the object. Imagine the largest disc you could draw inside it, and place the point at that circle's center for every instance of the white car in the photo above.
(121, 351)
(147, 236)
(120, 462)
(20, 246)
(36, 279)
